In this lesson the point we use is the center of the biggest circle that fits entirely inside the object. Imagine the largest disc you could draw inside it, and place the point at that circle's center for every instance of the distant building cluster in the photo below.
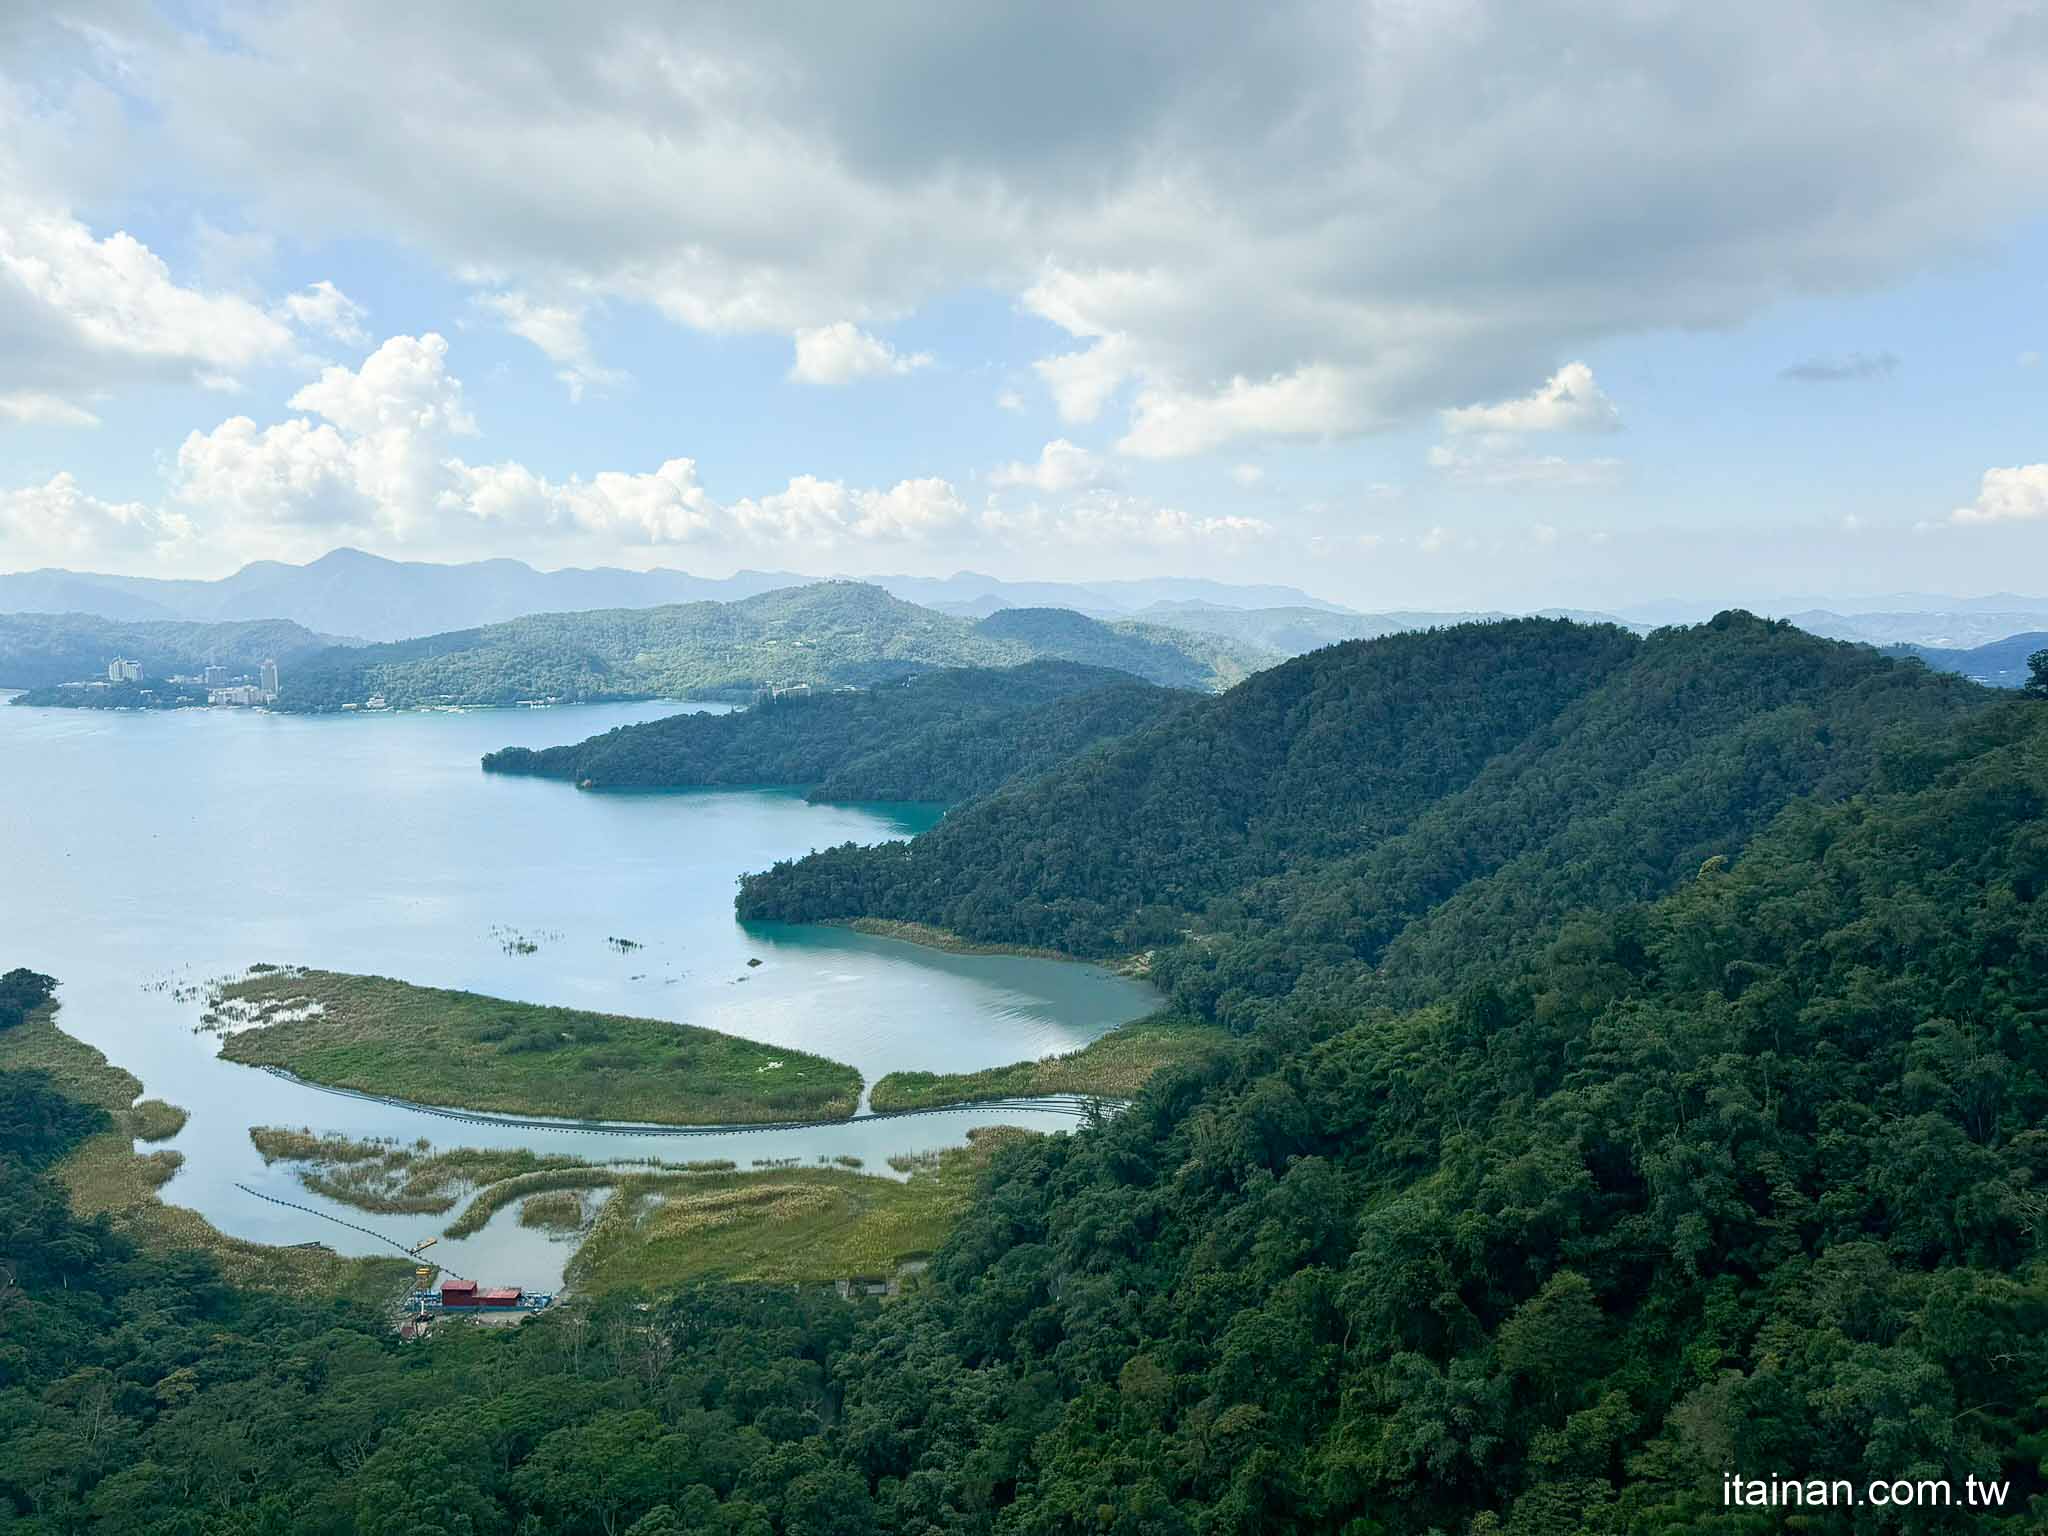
(222, 687)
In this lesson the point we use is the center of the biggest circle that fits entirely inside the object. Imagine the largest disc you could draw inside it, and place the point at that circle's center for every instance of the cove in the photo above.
(150, 852)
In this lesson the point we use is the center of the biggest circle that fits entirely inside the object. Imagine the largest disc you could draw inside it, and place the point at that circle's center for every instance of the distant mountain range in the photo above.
(2002, 663)
(837, 634)
(367, 597)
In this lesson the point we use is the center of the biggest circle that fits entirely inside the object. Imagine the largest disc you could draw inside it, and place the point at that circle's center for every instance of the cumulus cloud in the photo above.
(2015, 495)
(58, 520)
(1293, 188)
(811, 512)
(1061, 467)
(81, 314)
(842, 352)
(326, 309)
(1172, 423)
(1838, 370)
(1247, 475)
(557, 329)
(1568, 401)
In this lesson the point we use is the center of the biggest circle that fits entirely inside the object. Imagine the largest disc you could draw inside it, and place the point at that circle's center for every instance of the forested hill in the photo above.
(1746, 1180)
(39, 650)
(1395, 801)
(946, 735)
(829, 634)
(1177, 658)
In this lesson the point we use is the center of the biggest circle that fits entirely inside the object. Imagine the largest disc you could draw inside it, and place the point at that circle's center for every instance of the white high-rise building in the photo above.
(120, 670)
(268, 677)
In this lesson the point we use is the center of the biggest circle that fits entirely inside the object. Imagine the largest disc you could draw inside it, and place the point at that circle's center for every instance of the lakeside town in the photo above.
(222, 688)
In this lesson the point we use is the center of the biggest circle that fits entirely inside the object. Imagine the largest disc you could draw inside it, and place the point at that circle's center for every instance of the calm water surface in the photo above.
(145, 848)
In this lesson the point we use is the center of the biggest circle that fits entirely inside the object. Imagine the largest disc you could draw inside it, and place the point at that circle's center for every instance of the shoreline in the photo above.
(1136, 967)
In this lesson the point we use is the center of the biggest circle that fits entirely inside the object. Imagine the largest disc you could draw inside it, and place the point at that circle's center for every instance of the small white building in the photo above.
(121, 670)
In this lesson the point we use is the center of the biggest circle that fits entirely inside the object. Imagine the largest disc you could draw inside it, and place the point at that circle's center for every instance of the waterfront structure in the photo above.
(121, 670)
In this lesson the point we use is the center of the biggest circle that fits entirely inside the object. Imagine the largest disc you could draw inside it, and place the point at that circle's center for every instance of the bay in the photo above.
(148, 852)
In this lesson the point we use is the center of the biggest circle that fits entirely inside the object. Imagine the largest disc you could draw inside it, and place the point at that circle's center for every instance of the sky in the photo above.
(1422, 303)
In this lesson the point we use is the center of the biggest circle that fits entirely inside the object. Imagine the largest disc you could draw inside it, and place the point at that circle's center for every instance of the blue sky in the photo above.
(1407, 305)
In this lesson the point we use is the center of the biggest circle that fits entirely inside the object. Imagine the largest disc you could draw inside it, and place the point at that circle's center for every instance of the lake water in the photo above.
(183, 846)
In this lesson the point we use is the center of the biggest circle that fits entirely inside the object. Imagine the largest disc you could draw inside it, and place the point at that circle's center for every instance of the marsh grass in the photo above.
(104, 1175)
(393, 1178)
(807, 1225)
(561, 1211)
(1114, 1066)
(430, 1046)
(154, 1120)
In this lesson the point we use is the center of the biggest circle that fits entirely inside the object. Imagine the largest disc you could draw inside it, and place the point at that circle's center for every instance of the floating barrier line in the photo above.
(1077, 1107)
(367, 1232)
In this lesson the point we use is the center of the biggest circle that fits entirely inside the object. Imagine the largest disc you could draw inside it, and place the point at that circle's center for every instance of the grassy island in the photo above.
(1115, 1066)
(429, 1046)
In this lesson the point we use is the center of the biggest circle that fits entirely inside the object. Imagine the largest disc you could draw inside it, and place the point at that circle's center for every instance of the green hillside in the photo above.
(827, 635)
(1391, 802)
(1173, 657)
(945, 735)
(1743, 1180)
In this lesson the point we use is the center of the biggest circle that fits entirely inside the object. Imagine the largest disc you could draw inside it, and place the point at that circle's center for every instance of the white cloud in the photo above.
(811, 512)
(1495, 461)
(404, 383)
(2015, 495)
(1061, 467)
(557, 329)
(326, 309)
(1568, 401)
(1247, 475)
(1103, 518)
(665, 507)
(2029, 359)
(1287, 188)
(81, 314)
(1082, 383)
(842, 352)
(1543, 533)
(1315, 401)
(1010, 400)
(26, 405)
(57, 520)
(1434, 541)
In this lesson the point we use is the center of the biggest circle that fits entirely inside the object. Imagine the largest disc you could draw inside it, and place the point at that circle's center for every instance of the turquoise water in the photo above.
(175, 847)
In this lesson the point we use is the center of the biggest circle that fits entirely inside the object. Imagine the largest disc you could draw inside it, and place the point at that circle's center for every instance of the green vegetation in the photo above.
(828, 635)
(429, 1046)
(927, 937)
(1415, 805)
(101, 1178)
(946, 735)
(1174, 658)
(558, 1212)
(389, 1177)
(1742, 1175)
(1115, 1066)
(154, 1120)
(798, 1225)
(494, 1198)
(152, 693)
(41, 650)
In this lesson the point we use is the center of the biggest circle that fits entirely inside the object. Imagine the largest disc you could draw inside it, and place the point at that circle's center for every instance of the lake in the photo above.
(176, 847)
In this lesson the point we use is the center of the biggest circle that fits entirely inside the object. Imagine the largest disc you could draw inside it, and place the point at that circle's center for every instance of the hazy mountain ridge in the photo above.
(825, 635)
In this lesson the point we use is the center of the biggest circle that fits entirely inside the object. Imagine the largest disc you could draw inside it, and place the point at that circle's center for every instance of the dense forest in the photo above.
(1402, 800)
(827, 635)
(39, 650)
(946, 735)
(1743, 1179)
